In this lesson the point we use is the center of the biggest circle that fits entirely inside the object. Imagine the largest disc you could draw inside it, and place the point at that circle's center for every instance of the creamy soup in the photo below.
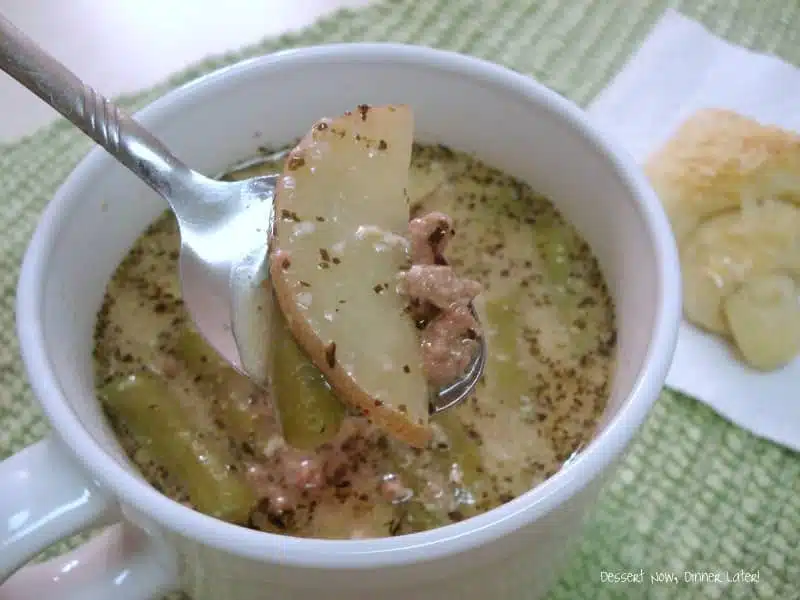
(292, 459)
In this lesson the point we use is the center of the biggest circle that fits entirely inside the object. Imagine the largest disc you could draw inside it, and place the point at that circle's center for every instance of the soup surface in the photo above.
(203, 435)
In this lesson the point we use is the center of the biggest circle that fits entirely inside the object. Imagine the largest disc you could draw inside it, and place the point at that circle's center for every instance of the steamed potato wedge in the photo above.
(341, 212)
(764, 319)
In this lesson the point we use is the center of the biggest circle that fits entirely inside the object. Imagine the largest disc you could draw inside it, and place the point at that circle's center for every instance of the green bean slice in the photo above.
(309, 411)
(237, 403)
(503, 358)
(201, 463)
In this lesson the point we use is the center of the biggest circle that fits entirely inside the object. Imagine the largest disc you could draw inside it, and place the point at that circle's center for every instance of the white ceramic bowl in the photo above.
(79, 477)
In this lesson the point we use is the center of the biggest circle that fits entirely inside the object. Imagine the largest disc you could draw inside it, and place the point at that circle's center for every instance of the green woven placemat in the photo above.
(695, 493)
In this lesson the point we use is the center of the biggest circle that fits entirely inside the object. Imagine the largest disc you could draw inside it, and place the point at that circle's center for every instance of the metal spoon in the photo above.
(224, 226)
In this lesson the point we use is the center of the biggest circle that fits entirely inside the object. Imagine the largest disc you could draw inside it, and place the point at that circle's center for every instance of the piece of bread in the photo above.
(337, 248)
(719, 160)
(764, 319)
(731, 189)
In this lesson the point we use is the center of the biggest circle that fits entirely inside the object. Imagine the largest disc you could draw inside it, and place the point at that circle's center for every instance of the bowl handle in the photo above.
(45, 496)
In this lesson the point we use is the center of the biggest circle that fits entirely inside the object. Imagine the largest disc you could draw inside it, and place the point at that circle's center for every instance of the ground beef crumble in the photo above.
(439, 300)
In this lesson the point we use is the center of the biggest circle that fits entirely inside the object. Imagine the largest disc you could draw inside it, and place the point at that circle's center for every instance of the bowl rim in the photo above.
(441, 542)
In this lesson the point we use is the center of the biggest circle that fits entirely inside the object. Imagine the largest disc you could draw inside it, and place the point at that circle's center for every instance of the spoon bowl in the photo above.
(223, 266)
(225, 226)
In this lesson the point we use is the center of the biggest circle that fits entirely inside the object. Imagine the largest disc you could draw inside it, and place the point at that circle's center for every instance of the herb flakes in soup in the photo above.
(295, 460)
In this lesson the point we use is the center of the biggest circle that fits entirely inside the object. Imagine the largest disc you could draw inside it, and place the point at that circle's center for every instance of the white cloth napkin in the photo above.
(680, 68)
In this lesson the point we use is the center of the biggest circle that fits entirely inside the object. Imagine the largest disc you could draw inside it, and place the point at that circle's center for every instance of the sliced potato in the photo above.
(764, 319)
(342, 210)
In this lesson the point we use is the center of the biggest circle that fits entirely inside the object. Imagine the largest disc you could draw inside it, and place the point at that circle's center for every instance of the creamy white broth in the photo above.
(550, 329)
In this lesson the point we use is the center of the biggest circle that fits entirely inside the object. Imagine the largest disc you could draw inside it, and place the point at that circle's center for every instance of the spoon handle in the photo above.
(96, 116)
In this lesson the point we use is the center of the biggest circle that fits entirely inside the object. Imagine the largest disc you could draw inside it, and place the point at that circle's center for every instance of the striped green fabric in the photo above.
(694, 493)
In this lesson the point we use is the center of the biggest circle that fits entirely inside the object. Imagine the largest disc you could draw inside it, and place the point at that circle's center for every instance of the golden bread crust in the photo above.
(719, 160)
